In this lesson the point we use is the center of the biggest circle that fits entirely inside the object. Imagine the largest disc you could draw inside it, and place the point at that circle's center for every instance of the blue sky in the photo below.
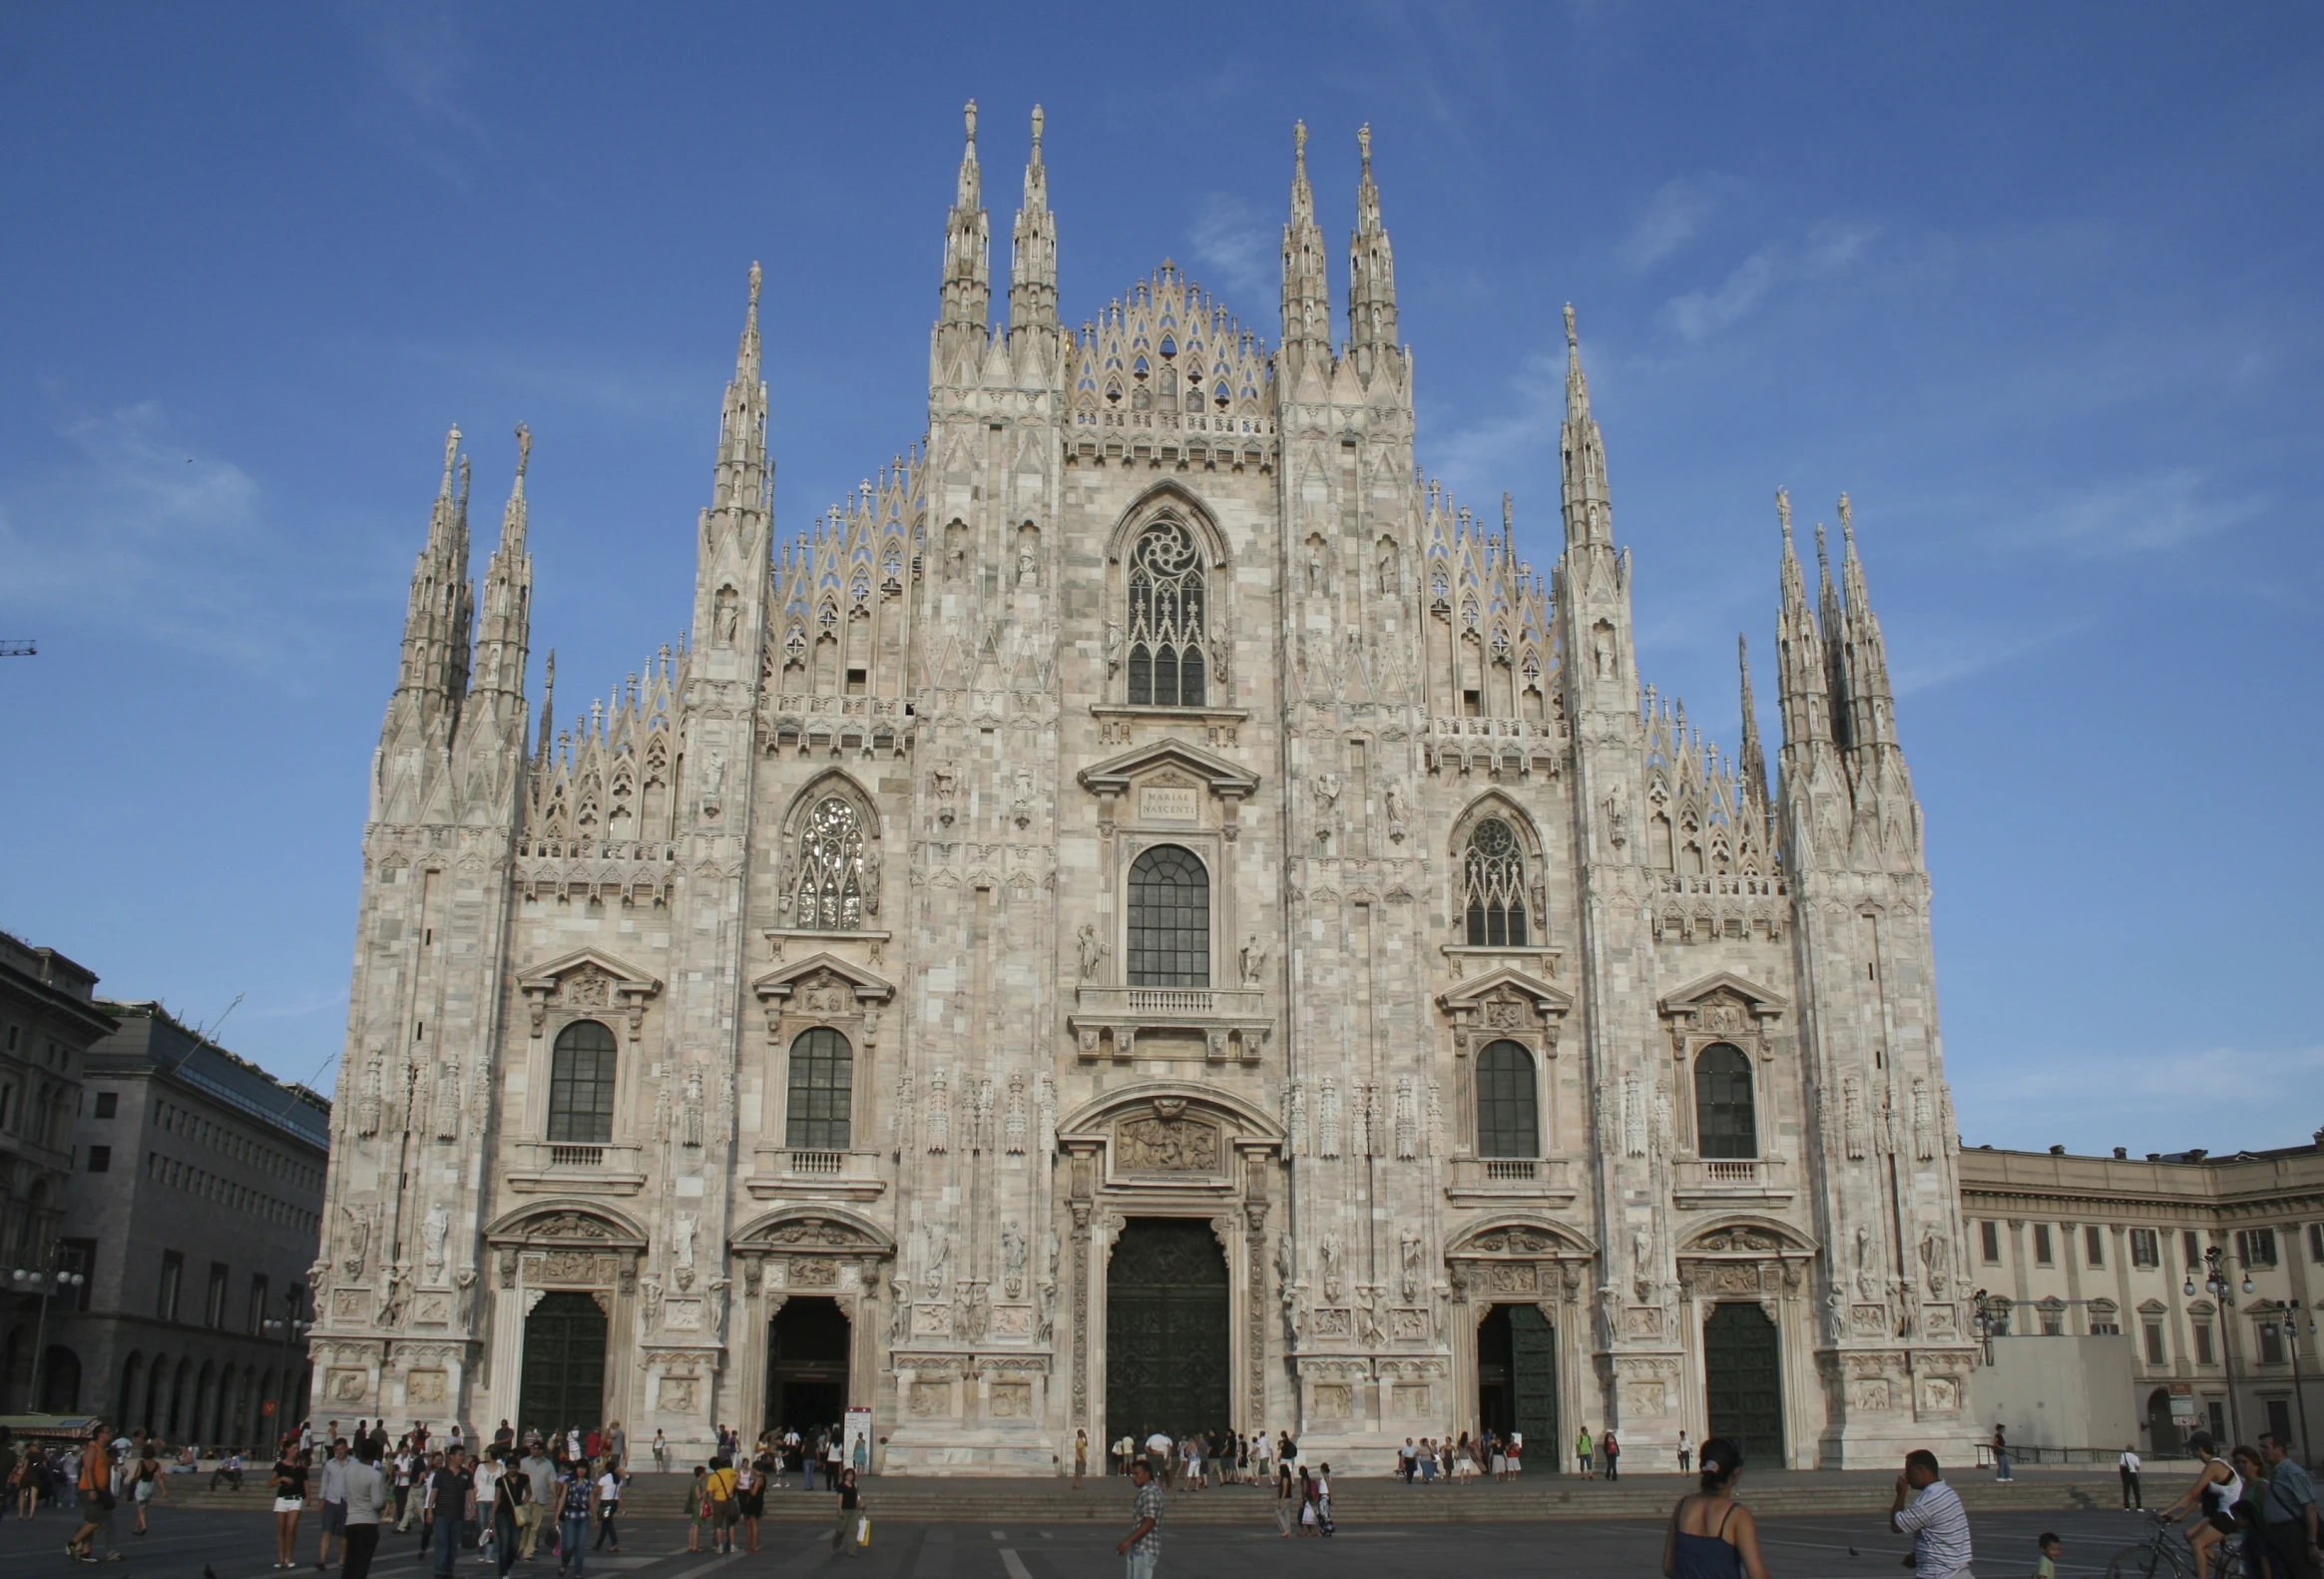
(2037, 285)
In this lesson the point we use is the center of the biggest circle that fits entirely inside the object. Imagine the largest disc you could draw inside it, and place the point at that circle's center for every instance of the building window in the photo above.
(258, 1312)
(823, 1084)
(1725, 1124)
(213, 1304)
(2203, 1344)
(2271, 1344)
(580, 1085)
(2094, 1244)
(1989, 1235)
(2256, 1246)
(2101, 1319)
(1168, 618)
(1169, 920)
(1507, 1111)
(2157, 1351)
(101, 1159)
(173, 1278)
(2316, 1243)
(2191, 1247)
(2279, 1419)
(2146, 1247)
(2041, 1252)
(2053, 1319)
(108, 1103)
(1493, 886)
(829, 896)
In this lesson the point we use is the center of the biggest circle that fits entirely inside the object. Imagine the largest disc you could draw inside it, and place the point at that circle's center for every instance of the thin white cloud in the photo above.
(1235, 246)
(2165, 1100)
(1672, 218)
(1959, 654)
(2132, 515)
(1830, 248)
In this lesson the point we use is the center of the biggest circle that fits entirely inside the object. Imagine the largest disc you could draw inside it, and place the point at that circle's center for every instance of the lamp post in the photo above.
(292, 1326)
(1983, 1304)
(2288, 1324)
(2215, 1283)
(46, 1285)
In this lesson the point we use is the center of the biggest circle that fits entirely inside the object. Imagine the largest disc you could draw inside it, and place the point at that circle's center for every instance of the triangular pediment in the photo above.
(1502, 984)
(625, 979)
(1763, 1002)
(1219, 774)
(788, 979)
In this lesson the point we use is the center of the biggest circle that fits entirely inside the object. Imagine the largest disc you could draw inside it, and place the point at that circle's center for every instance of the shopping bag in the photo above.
(863, 1530)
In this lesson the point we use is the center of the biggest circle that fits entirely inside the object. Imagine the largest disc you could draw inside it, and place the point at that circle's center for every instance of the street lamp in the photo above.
(2289, 1327)
(1987, 1320)
(2215, 1283)
(45, 1284)
(292, 1326)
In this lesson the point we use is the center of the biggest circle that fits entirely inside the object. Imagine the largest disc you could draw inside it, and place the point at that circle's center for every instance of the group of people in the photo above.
(1486, 1456)
(729, 1494)
(2261, 1496)
(1189, 1463)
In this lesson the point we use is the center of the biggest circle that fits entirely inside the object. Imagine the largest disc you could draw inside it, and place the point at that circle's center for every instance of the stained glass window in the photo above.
(1493, 886)
(829, 897)
(1168, 615)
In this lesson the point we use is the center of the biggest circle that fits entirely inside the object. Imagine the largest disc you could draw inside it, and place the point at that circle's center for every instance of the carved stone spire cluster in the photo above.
(1032, 249)
(964, 314)
(1371, 279)
(1307, 292)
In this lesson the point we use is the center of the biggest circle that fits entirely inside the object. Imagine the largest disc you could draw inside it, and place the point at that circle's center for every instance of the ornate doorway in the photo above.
(1517, 1378)
(1166, 1330)
(565, 1365)
(806, 1365)
(1742, 1363)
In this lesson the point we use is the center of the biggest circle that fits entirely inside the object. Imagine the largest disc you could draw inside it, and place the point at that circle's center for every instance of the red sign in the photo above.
(267, 1408)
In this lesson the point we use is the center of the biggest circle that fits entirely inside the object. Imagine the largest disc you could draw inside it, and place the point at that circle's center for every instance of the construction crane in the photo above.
(23, 649)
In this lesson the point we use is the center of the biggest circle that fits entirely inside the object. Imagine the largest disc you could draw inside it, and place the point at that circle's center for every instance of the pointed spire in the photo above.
(1871, 706)
(548, 712)
(739, 484)
(1371, 276)
(1032, 249)
(965, 310)
(1752, 761)
(1589, 506)
(1804, 685)
(1307, 294)
(503, 629)
(1834, 621)
(438, 616)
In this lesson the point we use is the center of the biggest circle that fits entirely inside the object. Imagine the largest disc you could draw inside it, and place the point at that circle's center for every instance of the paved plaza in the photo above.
(240, 1545)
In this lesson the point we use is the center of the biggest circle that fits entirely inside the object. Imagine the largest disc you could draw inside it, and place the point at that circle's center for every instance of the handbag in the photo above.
(863, 1530)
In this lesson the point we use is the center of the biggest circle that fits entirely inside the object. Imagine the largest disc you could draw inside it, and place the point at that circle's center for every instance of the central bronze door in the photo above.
(1742, 1363)
(1166, 1330)
(564, 1382)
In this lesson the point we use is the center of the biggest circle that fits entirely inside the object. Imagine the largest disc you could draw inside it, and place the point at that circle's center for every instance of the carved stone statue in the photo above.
(1398, 809)
(1332, 1284)
(433, 1230)
(938, 1239)
(357, 1238)
(1253, 960)
(1013, 1248)
(1091, 948)
(691, 1117)
(464, 1280)
(1936, 1258)
(683, 1233)
(651, 1288)
(1408, 1253)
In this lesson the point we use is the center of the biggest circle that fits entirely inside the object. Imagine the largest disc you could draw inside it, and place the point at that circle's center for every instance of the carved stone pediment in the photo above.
(1745, 1238)
(1520, 1239)
(1505, 999)
(588, 981)
(1724, 1001)
(1182, 762)
(817, 1232)
(822, 983)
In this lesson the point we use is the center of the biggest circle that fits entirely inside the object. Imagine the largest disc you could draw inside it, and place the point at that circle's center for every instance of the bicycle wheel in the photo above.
(2147, 1560)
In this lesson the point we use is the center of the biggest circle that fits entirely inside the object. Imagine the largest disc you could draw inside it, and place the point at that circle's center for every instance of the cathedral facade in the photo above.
(1147, 915)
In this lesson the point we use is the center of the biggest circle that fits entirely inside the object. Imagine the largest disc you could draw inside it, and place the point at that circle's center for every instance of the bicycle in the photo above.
(2167, 1555)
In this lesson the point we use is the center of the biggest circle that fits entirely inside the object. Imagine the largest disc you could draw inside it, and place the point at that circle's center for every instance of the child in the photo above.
(2052, 1548)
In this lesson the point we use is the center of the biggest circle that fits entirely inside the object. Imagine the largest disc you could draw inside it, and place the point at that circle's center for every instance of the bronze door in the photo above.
(565, 1365)
(1743, 1361)
(1166, 1330)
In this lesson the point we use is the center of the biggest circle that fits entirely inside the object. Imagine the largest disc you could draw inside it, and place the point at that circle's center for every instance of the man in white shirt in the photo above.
(1157, 1457)
(366, 1494)
(334, 1501)
(2128, 1466)
(1930, 1511)
(537, 1509)
(487, 1473)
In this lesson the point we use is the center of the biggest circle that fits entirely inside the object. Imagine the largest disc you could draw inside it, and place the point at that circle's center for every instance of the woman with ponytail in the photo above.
(1712, 1536)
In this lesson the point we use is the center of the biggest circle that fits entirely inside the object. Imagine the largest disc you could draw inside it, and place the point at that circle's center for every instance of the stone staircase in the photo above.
(999, 1502)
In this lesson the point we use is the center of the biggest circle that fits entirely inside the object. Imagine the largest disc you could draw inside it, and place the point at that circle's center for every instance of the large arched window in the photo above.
(822, 1089)
(1725, 1124)
(580, 1085)
(1169, 920)
(829, 896)
(1508, 1107)
(1169, 625)
(1493, 886)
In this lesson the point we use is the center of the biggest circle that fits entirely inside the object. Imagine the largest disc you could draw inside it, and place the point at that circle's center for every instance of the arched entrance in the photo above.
(1166, 1330)
(2162, 1434)
(1743, 1364)
(1517, 1378)
(806, 1365)
(565, 1365)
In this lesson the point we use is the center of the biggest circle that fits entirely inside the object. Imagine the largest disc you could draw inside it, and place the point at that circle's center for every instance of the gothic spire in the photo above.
(504, 627)
(1371, 274)
(1589, 508)
(1871, 706)
(1307, 294)
(436, 621)
(740, 483)
(1752, 761)
(548, 713)
(965, 312)
(1032, 249)
(1834, 621)
(1799, 649)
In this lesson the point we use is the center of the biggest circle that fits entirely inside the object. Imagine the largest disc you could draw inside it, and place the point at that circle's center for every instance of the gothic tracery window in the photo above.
(580, 1085)
(829, 896)
(1493, 886)
(1168, 618)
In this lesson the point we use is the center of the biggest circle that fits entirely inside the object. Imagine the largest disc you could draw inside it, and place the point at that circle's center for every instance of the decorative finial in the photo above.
(755, 277)
(1508, 513)
(1822, 558)
(1783, 509)
(1364, 142)
(1847, 520)
(451, 452)
(1037, 131)
(970, 115)
(1572, 342)
(524, 447)
(1299, 143)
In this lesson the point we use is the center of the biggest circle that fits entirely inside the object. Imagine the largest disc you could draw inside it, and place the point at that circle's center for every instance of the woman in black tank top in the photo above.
(1711, 1536)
